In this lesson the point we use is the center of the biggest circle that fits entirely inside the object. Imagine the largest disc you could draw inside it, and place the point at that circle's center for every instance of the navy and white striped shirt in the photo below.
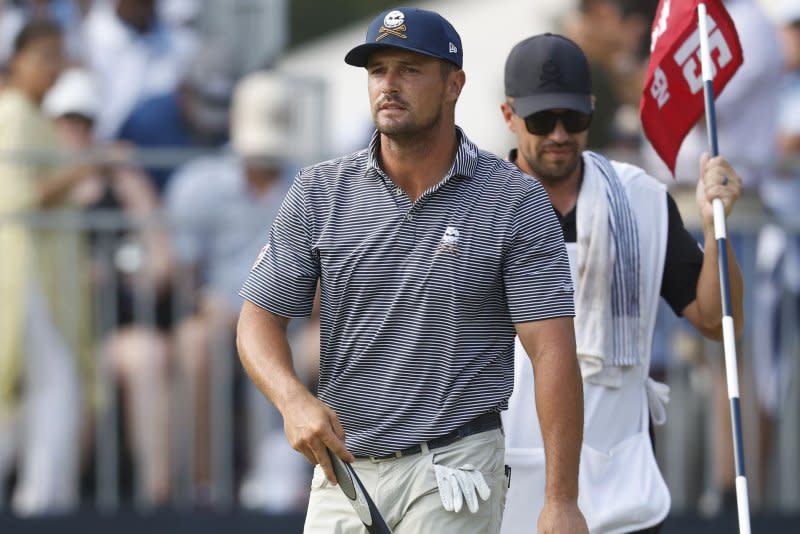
(418, 301)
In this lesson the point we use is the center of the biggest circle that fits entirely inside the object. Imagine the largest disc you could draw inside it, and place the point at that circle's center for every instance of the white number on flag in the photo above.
(688, 55)
(660, 87)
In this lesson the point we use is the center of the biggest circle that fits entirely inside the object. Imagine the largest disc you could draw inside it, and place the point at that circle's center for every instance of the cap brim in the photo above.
(528, 105)
(359, 55)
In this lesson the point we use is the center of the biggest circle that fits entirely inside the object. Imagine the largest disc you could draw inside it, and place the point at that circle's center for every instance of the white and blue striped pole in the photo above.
(728, 335)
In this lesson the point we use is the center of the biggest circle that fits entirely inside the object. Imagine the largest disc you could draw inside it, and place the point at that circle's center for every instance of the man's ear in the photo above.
(508, 116)
(455, 83)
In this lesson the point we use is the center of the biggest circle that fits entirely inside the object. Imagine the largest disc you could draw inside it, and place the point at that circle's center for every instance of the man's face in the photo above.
(553, 157)
(407, 91)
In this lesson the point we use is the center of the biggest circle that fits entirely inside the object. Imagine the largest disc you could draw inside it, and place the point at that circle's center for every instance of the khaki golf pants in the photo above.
(406, 493)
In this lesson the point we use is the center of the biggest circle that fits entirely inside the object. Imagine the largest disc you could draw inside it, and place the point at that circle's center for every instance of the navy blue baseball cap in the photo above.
(417, 30)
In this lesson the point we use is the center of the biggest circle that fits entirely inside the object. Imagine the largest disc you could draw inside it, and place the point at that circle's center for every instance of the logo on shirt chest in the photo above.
(449, 242)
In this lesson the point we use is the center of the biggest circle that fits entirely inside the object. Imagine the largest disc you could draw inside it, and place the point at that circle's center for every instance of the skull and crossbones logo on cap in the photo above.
(393, 24)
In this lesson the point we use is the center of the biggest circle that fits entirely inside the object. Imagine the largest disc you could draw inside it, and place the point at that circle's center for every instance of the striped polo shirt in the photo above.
(418, 300)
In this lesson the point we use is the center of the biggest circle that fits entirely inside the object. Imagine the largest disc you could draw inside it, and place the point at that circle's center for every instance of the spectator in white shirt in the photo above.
(135, 55)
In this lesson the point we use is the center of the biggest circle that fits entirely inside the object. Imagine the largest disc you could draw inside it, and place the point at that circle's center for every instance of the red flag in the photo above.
(672, 99)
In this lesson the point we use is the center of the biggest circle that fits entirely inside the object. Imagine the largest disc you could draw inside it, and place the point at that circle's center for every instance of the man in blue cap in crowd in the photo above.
(430, 255)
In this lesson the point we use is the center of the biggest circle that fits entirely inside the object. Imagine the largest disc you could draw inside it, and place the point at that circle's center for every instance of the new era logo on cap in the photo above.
(416, 30)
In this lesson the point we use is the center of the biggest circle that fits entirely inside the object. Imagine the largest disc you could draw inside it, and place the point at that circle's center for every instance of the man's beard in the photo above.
(406, 129)
(547, 173)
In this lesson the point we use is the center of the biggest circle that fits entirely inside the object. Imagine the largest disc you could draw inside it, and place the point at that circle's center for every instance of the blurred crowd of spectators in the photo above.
(130, 272)
(130, 269)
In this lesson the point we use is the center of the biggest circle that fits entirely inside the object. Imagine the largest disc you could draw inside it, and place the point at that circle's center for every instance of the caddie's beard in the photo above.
(554, 172)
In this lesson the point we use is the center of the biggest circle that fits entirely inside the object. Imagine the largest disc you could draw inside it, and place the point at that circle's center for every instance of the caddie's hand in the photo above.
(717, 180)
(311, 426)
(561, 518)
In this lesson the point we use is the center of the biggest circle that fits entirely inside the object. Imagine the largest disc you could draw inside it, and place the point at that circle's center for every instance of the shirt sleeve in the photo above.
(284, 276)
(682, 263)
(536, 270)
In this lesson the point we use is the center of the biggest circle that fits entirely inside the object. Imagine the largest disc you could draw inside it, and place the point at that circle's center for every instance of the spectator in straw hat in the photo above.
(222, 206)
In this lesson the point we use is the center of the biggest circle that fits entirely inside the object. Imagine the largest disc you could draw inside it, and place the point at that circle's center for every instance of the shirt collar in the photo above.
(512, 156)
(464, 165)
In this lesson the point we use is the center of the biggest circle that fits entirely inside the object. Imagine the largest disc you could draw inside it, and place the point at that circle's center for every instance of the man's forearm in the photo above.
(550, 344)
(561, 421)
(265, 354)
(312, 427)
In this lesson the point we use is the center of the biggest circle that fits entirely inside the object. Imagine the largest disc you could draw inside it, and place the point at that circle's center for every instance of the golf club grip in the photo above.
(355, 492)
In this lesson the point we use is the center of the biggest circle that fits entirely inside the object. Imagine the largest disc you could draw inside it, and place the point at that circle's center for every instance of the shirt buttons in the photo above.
(409, 217)
(398, 191)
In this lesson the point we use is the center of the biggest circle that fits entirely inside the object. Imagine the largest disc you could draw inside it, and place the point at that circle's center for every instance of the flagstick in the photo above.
(728, 337)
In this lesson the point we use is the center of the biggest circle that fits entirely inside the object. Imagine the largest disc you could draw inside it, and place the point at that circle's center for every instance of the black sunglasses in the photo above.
(544, 122)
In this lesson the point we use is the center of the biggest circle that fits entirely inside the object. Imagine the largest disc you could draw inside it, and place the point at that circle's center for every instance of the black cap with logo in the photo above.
(548, 71)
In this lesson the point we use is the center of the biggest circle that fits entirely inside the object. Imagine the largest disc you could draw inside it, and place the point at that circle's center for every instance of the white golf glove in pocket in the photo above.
(459, 484)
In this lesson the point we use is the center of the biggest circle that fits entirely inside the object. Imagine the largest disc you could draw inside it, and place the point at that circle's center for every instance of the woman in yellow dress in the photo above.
(44, 318)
